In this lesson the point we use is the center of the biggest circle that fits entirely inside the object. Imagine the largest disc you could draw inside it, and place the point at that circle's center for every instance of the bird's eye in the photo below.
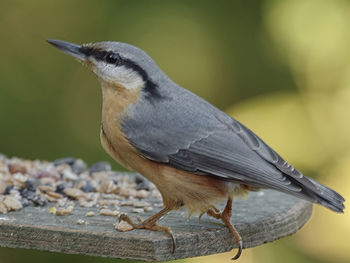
(112, 58)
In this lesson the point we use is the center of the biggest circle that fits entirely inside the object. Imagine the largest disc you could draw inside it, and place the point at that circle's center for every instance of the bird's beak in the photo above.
(69, 48)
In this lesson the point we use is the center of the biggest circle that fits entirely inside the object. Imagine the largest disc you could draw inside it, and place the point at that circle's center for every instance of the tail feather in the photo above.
(315, 192)
(328, 197)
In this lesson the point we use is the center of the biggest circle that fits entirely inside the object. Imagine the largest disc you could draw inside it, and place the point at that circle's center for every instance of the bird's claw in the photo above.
(239, 252)
(225, 217)
(149, 225)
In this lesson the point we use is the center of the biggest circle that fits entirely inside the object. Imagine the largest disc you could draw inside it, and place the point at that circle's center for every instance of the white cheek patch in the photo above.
(119, 74)
(129, 78)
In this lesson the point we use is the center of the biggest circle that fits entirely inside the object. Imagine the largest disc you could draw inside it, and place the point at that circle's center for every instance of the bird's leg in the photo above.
(225, 216)
(214, 213)
(151, 224)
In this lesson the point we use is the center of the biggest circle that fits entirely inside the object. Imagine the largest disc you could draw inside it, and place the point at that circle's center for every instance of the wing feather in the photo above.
(207, 141)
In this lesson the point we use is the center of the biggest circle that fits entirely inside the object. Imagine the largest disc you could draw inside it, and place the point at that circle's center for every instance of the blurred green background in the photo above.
(280, 67)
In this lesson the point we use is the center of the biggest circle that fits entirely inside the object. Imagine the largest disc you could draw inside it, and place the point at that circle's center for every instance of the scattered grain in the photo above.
(17, 168)
(52, 210)
(24, 182)
(82, 222)
(127, 203)
(64, 211)
(148, 209)
(12, 203)
(142, 204)
(123, 226)
(90, 213)
(137, 210)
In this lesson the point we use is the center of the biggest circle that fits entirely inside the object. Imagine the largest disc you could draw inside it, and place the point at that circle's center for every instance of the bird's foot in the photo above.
(225, 216)
(236, 235)
(213, 210)
(150, 225)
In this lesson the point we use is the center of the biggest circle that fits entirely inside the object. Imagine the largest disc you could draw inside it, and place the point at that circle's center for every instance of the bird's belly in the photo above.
(197, 193)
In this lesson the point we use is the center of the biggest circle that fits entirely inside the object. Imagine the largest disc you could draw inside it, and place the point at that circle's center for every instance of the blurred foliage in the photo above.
(280, 67)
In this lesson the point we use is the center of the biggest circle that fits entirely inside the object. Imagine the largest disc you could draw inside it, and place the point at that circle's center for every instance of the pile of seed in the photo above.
(66, 182)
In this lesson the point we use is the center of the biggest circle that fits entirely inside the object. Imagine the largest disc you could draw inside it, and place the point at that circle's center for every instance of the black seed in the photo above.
(66, 160)
(60, 188)
(27, 194)
(143, 186)
(88, 187)
(30, 185)
(99, 167)
(8, 189)
(39, 201)
(139, 179)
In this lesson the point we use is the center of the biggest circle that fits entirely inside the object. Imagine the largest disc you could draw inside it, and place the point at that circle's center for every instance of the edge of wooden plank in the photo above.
(253, 234)
(189, 244)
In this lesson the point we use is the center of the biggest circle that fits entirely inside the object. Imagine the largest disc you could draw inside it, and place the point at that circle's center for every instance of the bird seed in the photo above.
(36, 183)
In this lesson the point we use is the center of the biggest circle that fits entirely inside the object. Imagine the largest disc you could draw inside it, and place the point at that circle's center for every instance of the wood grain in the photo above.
(262, 217)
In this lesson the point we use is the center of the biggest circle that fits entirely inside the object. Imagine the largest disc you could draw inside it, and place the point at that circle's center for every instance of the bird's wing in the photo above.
(194, 136)
(222, 153)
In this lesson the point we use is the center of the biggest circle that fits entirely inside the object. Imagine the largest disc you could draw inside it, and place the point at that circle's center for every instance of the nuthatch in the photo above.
(194, 153)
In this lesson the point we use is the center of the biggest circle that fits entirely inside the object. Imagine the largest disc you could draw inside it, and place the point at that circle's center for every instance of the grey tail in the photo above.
(327, 197)
(315, 192)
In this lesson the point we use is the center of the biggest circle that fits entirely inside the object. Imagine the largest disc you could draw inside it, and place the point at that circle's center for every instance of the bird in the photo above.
(194, 153)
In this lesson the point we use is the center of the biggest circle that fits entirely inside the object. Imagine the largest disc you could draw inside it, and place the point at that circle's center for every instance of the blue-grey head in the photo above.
(118, 63)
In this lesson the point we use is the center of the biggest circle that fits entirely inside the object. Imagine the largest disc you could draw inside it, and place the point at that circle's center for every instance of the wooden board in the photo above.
(262, 217)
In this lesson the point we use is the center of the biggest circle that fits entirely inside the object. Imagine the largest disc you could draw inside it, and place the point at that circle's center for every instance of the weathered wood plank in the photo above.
(263, 217)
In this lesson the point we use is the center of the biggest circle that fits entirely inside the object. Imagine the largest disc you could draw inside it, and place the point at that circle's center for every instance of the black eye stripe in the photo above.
(108, 56)
(150, 89)
(114, 58)
(91, 52)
